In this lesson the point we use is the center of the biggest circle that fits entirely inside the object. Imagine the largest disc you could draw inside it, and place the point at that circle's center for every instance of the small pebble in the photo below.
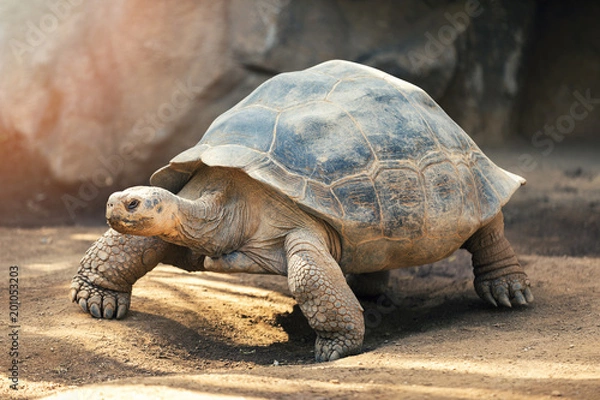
(556, 393)
(335, 381)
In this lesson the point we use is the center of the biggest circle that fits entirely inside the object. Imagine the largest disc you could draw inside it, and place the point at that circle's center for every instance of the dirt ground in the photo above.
(205, 335)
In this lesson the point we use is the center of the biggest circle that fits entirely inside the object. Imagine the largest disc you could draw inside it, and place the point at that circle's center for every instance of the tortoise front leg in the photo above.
(109, 269)
(115, 262)
(499, 278)
(318, 285)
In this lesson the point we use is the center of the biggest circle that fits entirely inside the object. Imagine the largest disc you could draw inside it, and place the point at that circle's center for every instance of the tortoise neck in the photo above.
(210, 224)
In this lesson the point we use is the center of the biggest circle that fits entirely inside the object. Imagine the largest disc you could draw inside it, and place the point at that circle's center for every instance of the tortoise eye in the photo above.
(133, 204)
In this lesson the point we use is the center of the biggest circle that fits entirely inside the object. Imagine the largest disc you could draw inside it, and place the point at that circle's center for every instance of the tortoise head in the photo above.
(142, 210)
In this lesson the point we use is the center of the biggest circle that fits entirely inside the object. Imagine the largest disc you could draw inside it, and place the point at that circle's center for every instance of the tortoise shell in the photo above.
(370, 154)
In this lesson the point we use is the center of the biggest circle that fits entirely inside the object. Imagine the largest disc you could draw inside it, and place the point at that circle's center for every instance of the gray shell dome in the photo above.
(369, 153)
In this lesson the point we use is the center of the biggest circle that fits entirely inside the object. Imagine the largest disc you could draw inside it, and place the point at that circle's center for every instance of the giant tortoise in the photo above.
(338, 171)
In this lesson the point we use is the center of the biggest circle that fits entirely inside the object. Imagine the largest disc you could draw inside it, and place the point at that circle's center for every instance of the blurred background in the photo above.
(96, 95)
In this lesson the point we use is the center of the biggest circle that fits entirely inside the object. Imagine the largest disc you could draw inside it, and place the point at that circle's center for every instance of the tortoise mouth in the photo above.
(126, 225)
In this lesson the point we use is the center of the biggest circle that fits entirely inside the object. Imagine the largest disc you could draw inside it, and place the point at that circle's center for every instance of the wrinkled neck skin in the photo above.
(210, 225)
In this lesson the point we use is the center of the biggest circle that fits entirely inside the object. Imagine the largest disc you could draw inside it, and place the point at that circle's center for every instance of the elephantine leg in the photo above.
(109, 269)
(319, 286)
(115, 262)
(499, 278)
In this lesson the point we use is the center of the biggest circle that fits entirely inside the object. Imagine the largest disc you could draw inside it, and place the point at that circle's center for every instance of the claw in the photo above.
(83, 305)
(121, 311)
(108, 307)
(73, 295)
(486, 294)
(109, 312)
(515, 286)
(503, 290)
(333, 349)
(95, 311)
(519, 299)
(501, 294)
(98, 301)
(528, 295)
(503, 299)
(101, 303)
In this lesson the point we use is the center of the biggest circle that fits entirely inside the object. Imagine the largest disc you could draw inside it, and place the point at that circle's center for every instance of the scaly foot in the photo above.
(108, 270)
(337, 346)
(507, 290)
(99, 302)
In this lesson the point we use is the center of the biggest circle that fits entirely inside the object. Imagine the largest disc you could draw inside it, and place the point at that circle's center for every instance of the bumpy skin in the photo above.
(114, 263)
(499, 278)
(318, 285)
(109, 269)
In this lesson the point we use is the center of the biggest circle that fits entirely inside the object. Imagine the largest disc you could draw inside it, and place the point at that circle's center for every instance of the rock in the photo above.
(561, 101)
(282, 35)
(484, 94)
(107, 81)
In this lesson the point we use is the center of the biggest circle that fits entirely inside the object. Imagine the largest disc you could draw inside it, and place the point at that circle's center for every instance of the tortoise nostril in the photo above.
(133, 204)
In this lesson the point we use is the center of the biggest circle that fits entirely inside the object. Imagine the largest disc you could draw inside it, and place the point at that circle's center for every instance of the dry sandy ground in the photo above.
(206, 335)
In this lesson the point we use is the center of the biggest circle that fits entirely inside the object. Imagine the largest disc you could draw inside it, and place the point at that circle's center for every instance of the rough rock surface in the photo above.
(570, 66)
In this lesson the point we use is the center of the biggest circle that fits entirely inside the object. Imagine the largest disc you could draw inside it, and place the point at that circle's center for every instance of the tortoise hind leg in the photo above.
(499, 278)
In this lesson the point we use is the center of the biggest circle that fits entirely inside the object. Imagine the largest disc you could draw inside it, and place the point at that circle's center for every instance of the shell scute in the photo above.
(250, 127)
(385, 117)
(359, 200)
(307, 143)
(403, 207)
(288, 90)
(322, 199)
(444, 198)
